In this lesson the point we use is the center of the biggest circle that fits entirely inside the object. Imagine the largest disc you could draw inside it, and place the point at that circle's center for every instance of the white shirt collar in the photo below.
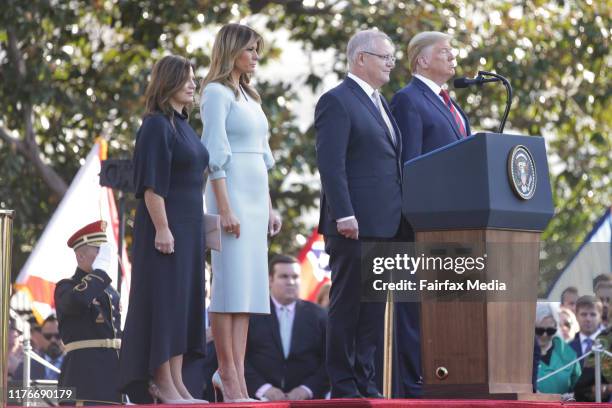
(435, 88)
(367, 88)
(278, 305)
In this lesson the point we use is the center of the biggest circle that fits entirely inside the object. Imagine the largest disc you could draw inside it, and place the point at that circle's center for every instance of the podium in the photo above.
(493, 191)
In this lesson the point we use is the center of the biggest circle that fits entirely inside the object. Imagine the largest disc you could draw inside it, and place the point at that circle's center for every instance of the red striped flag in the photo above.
(315, 266)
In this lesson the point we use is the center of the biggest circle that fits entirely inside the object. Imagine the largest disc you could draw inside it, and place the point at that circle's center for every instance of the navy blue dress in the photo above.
(166, 309)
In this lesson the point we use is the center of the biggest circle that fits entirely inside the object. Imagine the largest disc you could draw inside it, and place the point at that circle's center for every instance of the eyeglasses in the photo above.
(49, 336)
(550, 331)
(387, 58)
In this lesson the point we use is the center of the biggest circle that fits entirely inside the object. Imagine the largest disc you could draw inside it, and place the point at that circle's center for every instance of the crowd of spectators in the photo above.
(564, 340)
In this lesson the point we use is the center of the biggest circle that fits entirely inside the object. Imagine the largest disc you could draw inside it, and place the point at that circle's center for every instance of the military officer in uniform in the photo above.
(89, 320)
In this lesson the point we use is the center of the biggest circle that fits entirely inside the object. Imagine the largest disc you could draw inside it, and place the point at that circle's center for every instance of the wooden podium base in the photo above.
(483, 349)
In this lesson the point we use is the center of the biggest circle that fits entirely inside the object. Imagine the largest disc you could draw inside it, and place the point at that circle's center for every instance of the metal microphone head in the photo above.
(462, 82)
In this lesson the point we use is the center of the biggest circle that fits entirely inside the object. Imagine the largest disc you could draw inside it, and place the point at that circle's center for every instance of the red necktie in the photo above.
(447, 100)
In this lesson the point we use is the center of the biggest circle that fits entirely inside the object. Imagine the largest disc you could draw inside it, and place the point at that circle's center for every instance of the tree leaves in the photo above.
(85, 65)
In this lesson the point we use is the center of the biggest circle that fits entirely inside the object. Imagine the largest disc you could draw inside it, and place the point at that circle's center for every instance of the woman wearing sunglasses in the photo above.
(555, 353)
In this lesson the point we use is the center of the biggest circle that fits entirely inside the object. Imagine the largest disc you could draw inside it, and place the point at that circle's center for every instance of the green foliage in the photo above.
(557, 57)
(85, 65)
(80, 67)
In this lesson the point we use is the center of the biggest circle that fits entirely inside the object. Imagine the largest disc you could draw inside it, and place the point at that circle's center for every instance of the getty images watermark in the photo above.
(411, 264)
(446, 271)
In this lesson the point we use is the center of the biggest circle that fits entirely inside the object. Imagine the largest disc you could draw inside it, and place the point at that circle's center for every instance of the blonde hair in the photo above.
(420, 42)
(571, 318)
(231, 40)
(168, 76)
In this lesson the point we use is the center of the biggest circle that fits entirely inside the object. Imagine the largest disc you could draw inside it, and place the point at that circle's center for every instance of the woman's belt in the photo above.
(247, 150)
(96, 343)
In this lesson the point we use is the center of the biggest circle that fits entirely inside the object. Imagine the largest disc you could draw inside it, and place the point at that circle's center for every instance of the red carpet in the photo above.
(381, 403)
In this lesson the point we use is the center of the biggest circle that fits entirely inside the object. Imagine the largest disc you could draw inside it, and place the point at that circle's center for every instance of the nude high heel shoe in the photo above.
(155, 393)
(218, 387)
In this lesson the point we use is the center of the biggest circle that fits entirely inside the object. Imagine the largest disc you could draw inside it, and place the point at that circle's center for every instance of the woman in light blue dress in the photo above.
(236, 136)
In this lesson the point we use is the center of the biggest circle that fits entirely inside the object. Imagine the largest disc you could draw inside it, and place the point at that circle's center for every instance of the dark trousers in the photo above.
(407, 331)
(408, 380)
(354, 328)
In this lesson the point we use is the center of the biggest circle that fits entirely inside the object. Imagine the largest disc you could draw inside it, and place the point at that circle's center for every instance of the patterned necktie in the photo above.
(284, 325)
(444, 94)
(588, 344)
(381, 109)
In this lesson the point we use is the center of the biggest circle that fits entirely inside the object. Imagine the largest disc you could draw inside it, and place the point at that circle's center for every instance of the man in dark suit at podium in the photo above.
(428, 119)
(285, 356)
(358, 149)
(426, 115)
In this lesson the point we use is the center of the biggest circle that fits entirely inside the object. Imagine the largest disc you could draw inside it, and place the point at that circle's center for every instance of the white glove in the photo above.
(104, 258)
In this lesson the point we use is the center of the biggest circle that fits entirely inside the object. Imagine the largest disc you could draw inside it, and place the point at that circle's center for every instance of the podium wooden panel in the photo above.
(486, 347)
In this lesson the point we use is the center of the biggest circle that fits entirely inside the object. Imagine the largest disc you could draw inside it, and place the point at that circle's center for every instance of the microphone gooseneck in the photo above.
(481, 79)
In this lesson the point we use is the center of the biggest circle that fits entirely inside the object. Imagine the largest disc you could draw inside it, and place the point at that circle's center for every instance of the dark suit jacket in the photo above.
(575, 344)
(37, 371)
(305, 364)
(358, 162)
(425, 121)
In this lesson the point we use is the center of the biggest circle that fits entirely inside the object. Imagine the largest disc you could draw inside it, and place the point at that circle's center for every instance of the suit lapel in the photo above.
(367, 101)
(398, 133)
(440, 106)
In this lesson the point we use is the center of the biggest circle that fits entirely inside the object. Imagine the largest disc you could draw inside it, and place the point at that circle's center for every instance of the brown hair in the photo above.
(569, 289)
(231, 40)
(168, 77)
(603, 284)
(280, 259)
(588, 302)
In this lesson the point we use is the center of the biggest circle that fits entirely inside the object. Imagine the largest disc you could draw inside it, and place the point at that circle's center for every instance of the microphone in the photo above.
(492, 77)
(464, 82)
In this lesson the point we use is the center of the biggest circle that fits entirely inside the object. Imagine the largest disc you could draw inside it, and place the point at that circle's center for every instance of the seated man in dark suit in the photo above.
(285, 356)
(588, 314)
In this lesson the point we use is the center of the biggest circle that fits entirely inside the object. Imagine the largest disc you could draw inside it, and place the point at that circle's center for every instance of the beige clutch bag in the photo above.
(212, 231)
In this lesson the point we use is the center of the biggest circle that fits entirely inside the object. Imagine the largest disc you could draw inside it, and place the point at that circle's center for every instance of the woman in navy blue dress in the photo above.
(165, 314)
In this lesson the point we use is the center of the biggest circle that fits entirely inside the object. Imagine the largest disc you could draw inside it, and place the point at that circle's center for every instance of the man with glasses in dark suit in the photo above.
(358, 149)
